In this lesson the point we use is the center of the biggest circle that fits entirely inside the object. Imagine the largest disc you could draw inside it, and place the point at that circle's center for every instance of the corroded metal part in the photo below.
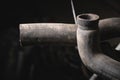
(88, 41)
(36, 33)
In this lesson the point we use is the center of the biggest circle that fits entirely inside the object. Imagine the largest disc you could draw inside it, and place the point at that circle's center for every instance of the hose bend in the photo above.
(88, 42)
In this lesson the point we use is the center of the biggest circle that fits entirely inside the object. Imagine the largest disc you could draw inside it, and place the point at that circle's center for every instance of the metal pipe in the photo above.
(109, 28)
(88, 41)
(36, 33)
(47, 33)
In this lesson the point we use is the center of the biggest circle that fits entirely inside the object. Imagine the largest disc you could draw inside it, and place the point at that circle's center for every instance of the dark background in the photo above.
(50, 61)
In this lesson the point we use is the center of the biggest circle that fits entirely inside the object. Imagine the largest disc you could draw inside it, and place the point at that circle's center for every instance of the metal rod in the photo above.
(73, 11)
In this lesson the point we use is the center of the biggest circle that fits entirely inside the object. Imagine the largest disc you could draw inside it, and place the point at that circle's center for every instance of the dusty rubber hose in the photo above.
(36, 33)
(88, 42)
